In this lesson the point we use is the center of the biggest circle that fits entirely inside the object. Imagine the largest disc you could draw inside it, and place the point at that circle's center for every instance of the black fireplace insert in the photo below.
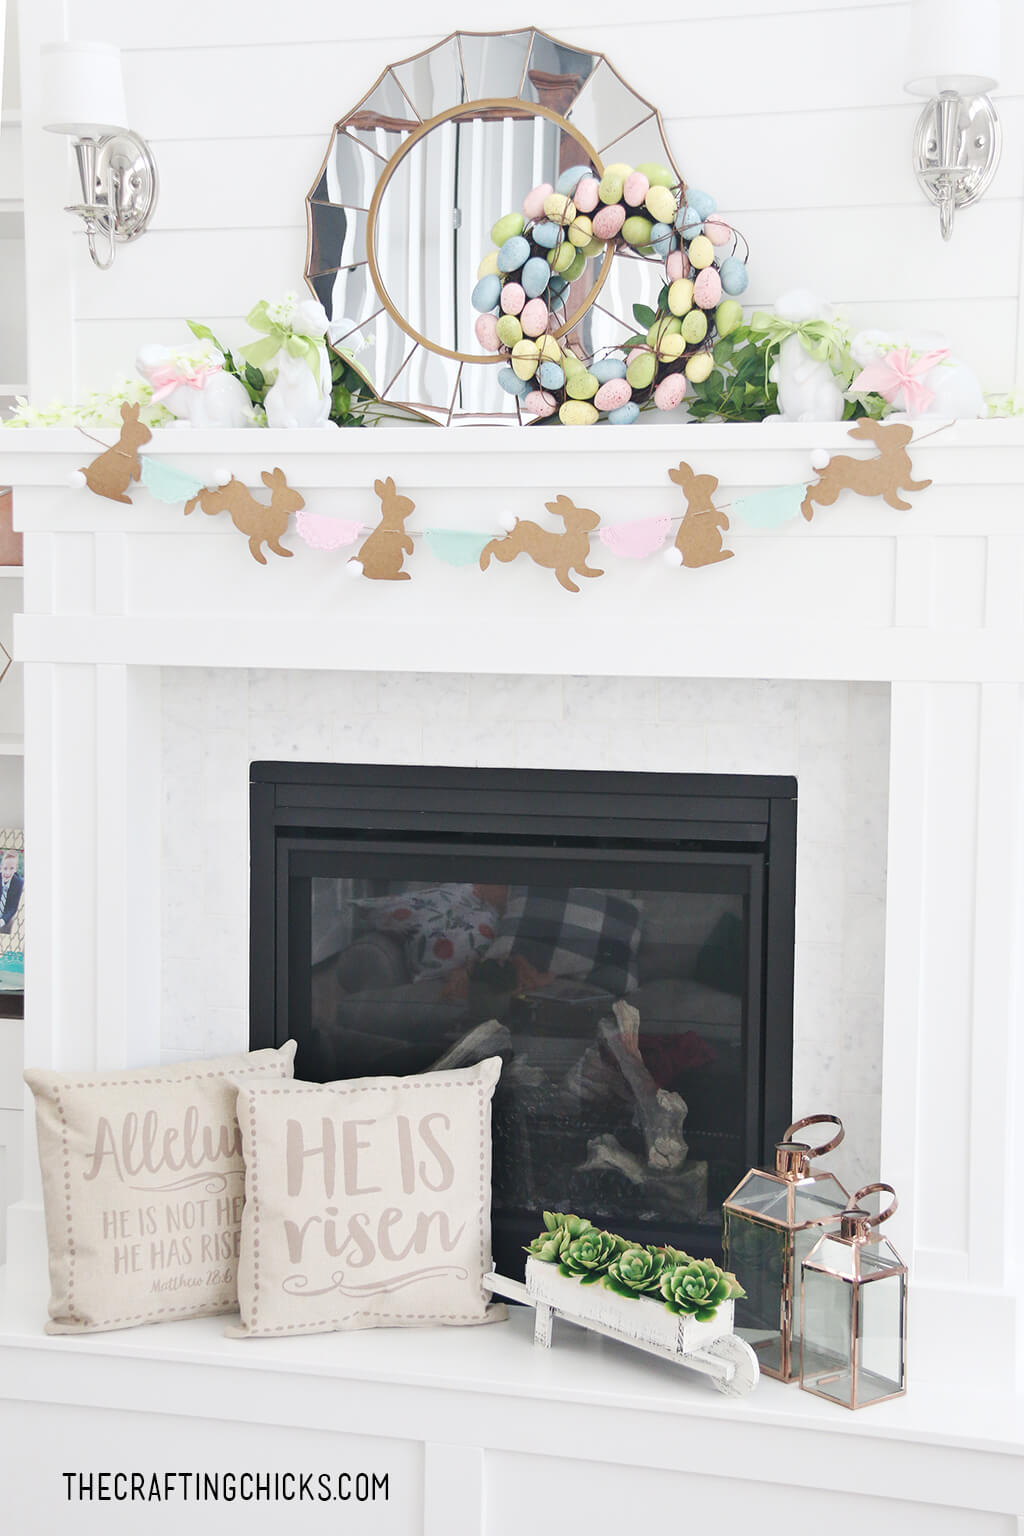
(624, 941)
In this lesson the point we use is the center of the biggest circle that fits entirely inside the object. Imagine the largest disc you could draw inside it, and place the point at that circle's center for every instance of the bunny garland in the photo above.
(381, 556)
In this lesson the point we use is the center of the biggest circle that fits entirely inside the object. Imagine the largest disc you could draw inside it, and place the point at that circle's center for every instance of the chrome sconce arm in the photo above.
(957, 143)
(119, 190)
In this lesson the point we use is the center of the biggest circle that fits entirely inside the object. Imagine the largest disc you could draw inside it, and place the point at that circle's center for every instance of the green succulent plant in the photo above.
(697, 1287)
(560, 1227)
(637, 1271)
(588, 1256)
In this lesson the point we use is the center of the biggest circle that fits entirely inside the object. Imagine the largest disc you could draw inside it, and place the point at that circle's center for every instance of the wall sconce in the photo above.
(83, 96)
(954, 60)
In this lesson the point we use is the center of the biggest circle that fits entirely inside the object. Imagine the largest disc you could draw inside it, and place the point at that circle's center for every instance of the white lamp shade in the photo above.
(954, 46)
(82, 92)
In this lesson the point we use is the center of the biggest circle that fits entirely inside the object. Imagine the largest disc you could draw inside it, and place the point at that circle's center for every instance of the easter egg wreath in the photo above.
(523, 280)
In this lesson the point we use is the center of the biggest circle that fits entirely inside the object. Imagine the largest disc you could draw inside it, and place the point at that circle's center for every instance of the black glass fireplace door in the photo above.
(630, 984)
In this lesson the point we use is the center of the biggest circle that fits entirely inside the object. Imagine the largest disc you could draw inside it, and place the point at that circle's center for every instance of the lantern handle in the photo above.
(798, 1125)
(874, 1189)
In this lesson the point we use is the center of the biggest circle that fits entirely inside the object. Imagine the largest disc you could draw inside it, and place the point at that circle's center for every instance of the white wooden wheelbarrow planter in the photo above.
(710, 1348)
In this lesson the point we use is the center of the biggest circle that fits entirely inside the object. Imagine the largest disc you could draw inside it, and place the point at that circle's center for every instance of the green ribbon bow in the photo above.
(278, 336)
(820, 339)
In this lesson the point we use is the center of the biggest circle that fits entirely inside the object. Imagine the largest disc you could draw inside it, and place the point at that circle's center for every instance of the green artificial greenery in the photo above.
(687, 1286)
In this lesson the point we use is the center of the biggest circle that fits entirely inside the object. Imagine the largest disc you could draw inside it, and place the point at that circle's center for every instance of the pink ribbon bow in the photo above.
(894, 372)
(167, 377)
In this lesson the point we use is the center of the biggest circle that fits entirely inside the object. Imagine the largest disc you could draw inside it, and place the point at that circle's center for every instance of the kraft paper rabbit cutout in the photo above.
(885, 476)
(383, 553)
(559, 552)
(262, 524)
(699, 539)
(112, 472)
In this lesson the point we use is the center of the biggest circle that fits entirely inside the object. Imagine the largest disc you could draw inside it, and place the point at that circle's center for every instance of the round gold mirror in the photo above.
(416, 176)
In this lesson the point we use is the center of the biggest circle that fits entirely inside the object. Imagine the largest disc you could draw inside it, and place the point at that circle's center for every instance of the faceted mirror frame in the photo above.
(386, 197)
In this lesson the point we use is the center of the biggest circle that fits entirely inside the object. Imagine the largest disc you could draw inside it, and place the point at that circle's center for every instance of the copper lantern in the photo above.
(771, 1221)
(854, 1305)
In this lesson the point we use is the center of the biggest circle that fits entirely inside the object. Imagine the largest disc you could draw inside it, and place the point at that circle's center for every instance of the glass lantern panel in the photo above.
(831, 1254)
(827, 1342)
(817, 1199)
(762, 1195)
(880, 1325)
(757, 1256)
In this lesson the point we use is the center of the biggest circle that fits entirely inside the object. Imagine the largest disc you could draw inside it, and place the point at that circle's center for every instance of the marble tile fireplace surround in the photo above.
(876, 655)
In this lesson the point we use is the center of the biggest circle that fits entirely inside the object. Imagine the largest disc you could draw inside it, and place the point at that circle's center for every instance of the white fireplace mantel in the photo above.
(929, 601)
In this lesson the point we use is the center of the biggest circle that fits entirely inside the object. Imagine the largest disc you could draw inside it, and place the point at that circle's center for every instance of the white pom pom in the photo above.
(507, 521)
(673, 556)
(222, 474)
(77, 480)
(354, 568)
(820, 458)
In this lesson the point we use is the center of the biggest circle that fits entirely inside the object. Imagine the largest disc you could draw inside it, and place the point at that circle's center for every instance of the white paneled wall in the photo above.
(791, 111)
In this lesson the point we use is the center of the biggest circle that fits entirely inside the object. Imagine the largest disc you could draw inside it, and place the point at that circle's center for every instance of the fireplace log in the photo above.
(674, 1195)
(661, 1113)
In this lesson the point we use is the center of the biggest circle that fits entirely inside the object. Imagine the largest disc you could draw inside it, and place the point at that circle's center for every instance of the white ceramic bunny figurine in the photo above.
(808, 389)
(297, 397)
(955, 391)
(198, 392)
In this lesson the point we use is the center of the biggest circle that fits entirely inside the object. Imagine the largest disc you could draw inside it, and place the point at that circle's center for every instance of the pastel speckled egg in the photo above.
(508, 225)
(569, 179)
(577, 413)
(680, 296)
(581, 230)
(558, 284)
(608, 221)
(539, 403)
(533, 202)
(665, 325)
(613, 394)
(624, 415)
(593, 247)
(572, 364)
(701, 252)
(513, 253)
(610, 187)
(562, 257)
(534, 318)
(676, 266)
(689, 221)
(587, 194)
(640, 372)
(486, 293)
(699, 367)
(669, 347)
(489, 266)
(662, 237)
(509, 330)
(575, 267)
(486, 329)
(695, 326)
(582, 386)
(559, 208)
(707, 290)
(669, 393)
(550, 375)
(608, 368)
(728, 316)
(510, 382)
(512, 299)
(702, 202)
(637, 230)
(717, 230)
(548, 348)
(525, 357)
(635, 188)
(534, 277)
(660, 204)
(546, 234)
(734, 275)
(658, 175)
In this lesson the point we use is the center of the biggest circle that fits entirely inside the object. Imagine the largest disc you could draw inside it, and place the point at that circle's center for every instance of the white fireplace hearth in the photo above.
(877, 655)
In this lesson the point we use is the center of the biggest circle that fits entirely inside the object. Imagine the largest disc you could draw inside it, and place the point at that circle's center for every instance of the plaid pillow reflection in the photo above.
(573, 932)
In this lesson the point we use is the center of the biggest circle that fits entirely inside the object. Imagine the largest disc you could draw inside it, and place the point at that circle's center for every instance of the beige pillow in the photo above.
(143, 1184)
(367, 1202)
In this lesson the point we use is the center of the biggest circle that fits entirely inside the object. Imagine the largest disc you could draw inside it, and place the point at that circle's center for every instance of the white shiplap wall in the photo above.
(791, 111)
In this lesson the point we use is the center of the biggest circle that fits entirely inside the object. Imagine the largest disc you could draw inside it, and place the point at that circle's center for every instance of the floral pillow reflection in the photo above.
(444, 927)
